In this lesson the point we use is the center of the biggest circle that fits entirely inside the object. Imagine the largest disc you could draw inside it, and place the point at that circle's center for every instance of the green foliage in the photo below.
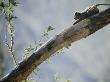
(68, 46)
(31, 49)
(57, 78)
(6, 10)
(46, 33)
(67, 81)
(27, 51)
(13, 2)
(60, 52)
(10, 29)
(50, 28)
(27, 81)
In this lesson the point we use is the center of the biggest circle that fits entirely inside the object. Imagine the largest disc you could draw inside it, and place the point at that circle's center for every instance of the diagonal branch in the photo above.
(76, 32)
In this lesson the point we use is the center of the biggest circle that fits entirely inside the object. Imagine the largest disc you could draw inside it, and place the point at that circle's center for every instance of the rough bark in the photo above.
(76, 32)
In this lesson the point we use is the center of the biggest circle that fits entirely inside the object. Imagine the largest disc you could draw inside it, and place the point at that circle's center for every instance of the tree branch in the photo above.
(76, 32)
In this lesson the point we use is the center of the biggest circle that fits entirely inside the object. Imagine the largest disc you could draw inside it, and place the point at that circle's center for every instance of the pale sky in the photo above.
(86, 60)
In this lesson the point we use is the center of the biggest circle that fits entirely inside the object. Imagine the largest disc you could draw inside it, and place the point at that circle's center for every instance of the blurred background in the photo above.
(86, 60)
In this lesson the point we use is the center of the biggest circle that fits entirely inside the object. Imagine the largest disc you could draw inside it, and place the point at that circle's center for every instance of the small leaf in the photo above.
(13, 2)
(45, 34)
(2, 4)
(67, 81)
(12, 17)
(68, 46)
(50, 28)
(40, 44)
(28, 50)
(57, 77)
(27, 81)
(10, 29)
